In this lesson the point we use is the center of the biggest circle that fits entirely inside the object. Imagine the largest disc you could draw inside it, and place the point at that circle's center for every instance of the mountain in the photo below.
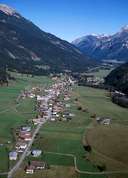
(118, 78)
(26, 48)
(105, 47)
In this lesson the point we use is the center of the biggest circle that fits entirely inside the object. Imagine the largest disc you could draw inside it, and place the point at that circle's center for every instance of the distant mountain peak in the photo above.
(125, 28)
(99, 35)
(9, 10)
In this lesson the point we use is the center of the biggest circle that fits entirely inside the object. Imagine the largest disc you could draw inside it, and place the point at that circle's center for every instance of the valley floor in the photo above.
(67, 137)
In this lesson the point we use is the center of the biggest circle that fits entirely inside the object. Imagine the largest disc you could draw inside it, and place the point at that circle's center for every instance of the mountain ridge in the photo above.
(105, 46)
(24, 44)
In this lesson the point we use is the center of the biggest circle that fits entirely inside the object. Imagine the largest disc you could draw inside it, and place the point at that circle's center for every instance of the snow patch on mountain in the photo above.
(125, 28)
(9, 11)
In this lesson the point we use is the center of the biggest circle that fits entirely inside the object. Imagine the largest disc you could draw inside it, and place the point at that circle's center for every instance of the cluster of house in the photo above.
(93, 80)
(24, 136)
(88, 79)
(52, 107)
(30, 93)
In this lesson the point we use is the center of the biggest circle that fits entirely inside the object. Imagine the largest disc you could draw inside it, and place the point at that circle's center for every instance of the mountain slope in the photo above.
(26, 47)
(105, 47)
(118, 78)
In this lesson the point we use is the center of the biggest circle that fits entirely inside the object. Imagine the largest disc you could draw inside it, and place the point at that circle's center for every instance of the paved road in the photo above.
(18, 164)
(14, 169)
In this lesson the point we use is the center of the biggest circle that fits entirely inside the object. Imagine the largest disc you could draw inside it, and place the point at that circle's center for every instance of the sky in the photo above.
(70, 19)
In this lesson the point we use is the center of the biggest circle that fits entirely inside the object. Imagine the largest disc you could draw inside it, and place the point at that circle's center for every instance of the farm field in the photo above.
(109, 143)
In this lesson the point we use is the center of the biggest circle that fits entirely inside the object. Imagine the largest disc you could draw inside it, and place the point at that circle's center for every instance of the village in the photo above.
(50, 106)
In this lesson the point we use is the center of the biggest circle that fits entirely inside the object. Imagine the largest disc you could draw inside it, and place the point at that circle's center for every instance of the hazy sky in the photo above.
(69, 19)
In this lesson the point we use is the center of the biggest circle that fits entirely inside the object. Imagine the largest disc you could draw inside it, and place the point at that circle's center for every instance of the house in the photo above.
(27, 136)
(25, 128)
(36, 153)
(13, 155)
(71, 114)
(37, 121)
(53, 119)
(21, 145)
(38, 165)
(32, 95)
(66, 98)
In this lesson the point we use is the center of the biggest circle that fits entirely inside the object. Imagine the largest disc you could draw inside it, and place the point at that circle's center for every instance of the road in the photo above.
(24, 154)
(15, 168)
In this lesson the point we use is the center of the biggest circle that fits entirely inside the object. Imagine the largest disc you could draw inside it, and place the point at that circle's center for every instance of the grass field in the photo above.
(109, 144)
(97, 102)
(4, 163)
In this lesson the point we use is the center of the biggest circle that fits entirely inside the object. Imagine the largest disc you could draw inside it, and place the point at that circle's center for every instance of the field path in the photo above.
(87, 172)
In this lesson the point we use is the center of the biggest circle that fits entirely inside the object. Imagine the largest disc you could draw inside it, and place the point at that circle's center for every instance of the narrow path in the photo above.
(88, 172)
